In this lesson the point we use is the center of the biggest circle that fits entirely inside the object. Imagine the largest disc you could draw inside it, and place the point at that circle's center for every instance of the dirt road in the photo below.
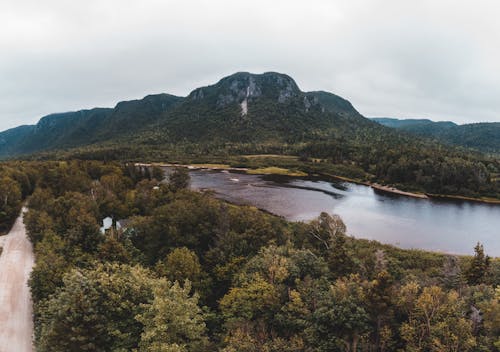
(16, 262)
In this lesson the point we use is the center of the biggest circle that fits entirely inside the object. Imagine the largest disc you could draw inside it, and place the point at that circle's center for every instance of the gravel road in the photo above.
(16, 262)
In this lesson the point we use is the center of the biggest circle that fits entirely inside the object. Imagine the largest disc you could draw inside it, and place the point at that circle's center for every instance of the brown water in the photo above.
(447, 226)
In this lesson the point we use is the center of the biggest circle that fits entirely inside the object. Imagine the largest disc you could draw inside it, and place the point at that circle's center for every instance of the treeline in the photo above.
(368, 155)
(17, 181)
(424, 167)
(480, 136)
(187, 272)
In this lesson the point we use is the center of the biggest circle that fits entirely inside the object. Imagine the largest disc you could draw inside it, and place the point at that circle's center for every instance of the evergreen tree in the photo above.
(179, 179)
(478, 269)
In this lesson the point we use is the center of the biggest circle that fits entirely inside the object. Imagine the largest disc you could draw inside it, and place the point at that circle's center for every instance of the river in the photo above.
(437, 225)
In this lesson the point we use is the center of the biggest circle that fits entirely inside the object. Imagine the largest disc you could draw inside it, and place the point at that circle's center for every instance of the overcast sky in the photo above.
(438, 59)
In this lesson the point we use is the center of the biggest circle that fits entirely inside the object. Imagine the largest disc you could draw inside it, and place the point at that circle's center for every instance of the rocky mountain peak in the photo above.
(244, 87)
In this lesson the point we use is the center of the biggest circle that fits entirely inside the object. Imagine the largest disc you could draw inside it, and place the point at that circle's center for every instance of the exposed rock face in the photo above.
(288, 89)
(245, 88)
(307, 103)
(244, 103)
(197, 94)
(310, 101)
(242, 88)
(49, 121)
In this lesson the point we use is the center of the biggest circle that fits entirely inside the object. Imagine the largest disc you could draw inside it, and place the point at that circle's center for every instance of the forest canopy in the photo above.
(188, 272)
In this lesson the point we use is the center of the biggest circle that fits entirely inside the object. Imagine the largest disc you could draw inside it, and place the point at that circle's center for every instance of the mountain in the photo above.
(480, 136)
(249, 108)
(241, 108)
(84, 127)
(414, 124)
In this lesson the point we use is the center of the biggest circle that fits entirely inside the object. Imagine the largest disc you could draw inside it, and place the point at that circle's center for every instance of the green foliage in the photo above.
(178, 179)
(250, 306)
(479, 266)
(189, 272)
(341, 320)
(114, 250)
(436, 323)
(14, 187)
(51, 265)
(180, 265)
(491, 316)
(119, 308)
(172, 321)
(94, 310)
(481, 136)
(188, 221)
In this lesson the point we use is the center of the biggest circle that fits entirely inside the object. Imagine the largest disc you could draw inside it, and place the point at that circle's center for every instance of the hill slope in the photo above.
(241, 108)
(84, 127)
(248, 108)
(480, 136)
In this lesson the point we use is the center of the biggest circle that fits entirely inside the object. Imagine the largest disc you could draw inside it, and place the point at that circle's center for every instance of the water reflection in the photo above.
(448, 226)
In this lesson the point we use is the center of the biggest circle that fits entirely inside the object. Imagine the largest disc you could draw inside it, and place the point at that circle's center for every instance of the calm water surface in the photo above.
(448, 226)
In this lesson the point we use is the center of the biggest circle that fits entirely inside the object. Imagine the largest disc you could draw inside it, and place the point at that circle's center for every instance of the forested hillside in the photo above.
(242, 108)
(481, 136)
(259, 114)
(188, 272)
(74, 129)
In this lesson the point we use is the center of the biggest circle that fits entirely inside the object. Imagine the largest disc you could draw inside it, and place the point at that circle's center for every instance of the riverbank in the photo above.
(468, 199)
(379, 187)
(439, 226)
(291, 173)
(196, 166)
(394, 190)
(259, 171)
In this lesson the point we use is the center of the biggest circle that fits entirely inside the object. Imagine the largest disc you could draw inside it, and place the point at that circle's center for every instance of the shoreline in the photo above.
(351, 235)
(382, 188)
(197, 166)
(375, 186)
(464, 198)
(394, 190)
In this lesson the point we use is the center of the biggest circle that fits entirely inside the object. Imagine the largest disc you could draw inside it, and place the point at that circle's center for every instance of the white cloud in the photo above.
(437, 59)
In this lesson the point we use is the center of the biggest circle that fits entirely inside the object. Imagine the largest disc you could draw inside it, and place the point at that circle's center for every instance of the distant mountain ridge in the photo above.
(412, 123)
(243, 107)
(84, 127)
(484, 136)
(240, 109)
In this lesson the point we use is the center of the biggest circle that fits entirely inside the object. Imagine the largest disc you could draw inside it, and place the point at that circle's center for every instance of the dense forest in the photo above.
(17, 181)
(182, 271)
(405, 164)
(481, 136)
(247, 114)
